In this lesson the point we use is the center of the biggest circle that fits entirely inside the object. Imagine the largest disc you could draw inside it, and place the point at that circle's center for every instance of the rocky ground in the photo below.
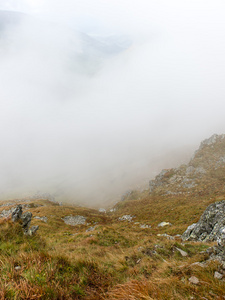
(163, 243)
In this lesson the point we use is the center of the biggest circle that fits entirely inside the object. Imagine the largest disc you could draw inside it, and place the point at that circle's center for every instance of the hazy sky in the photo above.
(94, 137)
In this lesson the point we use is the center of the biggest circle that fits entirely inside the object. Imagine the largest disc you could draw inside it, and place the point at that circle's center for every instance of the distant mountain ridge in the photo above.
(93, 49)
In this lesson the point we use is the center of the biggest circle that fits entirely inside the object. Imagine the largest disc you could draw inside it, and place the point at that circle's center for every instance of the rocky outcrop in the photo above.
(210, 227)
(25, 219)
(206, 167)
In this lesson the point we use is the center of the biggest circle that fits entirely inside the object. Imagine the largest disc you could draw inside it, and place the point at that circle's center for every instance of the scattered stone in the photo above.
(218, 275)
(17, 268)
(193, 280)
(145, 226)
(169, 237)
(126, 218)
(182, 252)
(199, 264)
(112, 210)
(6, 213)
(7, 204)
(74, 220)
(44, 219)
(90, 229)
(162, 224)
(102, 210)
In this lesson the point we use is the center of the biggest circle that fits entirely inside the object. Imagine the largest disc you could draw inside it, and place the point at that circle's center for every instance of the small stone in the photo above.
(199, 264)
(169, 237)
(32, 230)
(126, 218)
(162, 224)
(193, 280)
(145, 226)
(102, 210)
(44, 219)
(182, 252)
(218, 275)
(90, 229)
(17, 268)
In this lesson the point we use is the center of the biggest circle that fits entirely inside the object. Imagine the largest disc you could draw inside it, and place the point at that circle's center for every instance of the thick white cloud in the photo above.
(94, 137)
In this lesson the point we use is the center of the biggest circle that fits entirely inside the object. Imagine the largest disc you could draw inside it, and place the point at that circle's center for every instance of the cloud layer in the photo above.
(90, 136)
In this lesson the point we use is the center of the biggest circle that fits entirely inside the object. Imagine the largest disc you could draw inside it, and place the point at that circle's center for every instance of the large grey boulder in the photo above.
(210, 227)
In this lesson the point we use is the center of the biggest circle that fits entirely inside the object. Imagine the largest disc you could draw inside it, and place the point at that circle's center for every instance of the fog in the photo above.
(97, 97)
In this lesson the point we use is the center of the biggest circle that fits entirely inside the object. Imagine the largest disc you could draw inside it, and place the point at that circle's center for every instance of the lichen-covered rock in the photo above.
(17, 213)
(74, 220)
(210, 227)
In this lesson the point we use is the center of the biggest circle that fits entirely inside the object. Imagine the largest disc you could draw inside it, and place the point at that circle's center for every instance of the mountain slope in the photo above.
(133, 251)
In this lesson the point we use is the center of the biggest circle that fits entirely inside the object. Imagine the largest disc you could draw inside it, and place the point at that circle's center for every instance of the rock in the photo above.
(210, 227)
(17, 268)
(209, 141)
(199, 264)
(32, 230)
(193, 280)
(126, 218)
(26, 219)
(182, 252)
(218, 275)
(162, 224)
(169, 237)
(145, 226)
(90, 229)
(17, 213)
(74, 220)
(102, 210)
(188, 232)
(44, 219)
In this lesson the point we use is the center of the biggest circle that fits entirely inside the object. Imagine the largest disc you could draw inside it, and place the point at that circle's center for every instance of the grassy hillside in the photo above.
(111, 258)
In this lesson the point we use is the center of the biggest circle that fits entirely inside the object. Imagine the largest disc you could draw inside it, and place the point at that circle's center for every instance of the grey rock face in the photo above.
(74, 220)
(210, 227)
(17, 213)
